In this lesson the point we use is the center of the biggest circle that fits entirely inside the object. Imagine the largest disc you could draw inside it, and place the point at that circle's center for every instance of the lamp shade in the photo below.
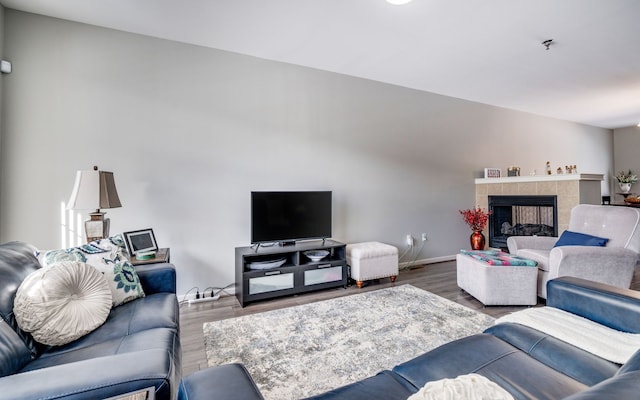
(94, 190)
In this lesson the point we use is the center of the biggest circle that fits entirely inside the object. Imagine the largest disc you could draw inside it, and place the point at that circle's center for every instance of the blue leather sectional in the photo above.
(136, 348)
(526, 362)
(139, 346)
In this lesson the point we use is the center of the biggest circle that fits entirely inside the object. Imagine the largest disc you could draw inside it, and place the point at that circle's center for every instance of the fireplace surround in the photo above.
(569, 189)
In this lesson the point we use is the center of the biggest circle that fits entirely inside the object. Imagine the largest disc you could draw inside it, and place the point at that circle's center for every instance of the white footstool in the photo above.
(497, 284)
(372, 260)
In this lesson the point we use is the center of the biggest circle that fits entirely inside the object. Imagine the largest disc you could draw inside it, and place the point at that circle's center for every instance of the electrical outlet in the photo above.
(424, 237)
(409, 240)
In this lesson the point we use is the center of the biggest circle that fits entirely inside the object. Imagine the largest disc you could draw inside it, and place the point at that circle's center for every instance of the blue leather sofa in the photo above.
(526, 362)
(136, 348)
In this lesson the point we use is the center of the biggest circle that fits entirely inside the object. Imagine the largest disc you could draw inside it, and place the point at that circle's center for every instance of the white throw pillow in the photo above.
(464, 387)
(109, 257)
(62, 302)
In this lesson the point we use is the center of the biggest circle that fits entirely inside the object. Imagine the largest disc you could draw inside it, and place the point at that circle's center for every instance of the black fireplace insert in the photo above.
(521, 216)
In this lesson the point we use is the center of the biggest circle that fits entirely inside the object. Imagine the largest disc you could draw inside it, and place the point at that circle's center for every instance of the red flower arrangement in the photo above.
(476, 218)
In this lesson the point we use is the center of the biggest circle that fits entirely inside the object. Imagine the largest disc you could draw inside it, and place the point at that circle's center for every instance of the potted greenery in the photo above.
(625, 180)
(477, 220)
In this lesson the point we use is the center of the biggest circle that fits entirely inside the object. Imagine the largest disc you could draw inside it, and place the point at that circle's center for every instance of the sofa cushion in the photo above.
(569, 238)
(571, 361)
(610, 344)
(487, 355)
(62, 303)
(386, 385)
(154, 311)
(160, 338)
(109, 257)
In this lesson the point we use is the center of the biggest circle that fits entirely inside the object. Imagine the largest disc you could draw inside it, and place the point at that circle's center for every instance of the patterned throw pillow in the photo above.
(109, 257)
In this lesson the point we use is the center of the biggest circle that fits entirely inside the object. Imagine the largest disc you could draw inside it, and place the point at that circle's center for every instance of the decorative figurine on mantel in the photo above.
(571, 169)
(559, 171)
(548, 168)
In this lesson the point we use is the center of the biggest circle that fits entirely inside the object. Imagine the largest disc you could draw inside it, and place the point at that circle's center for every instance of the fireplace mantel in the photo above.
(570, 189)
(542, 178)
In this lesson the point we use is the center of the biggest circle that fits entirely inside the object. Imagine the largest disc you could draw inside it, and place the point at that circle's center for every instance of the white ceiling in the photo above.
(486, 51)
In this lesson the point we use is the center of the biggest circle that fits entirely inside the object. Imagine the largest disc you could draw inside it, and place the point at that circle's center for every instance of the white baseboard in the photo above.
(423, 261)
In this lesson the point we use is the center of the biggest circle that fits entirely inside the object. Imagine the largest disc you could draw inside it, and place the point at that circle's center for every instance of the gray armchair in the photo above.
(613, 264)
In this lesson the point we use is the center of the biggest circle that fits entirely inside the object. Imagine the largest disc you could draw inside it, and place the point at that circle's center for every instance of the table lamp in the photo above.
(94, 190)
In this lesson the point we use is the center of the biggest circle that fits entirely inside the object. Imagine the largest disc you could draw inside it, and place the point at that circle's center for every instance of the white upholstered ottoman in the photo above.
(497, 284)
(372, 260)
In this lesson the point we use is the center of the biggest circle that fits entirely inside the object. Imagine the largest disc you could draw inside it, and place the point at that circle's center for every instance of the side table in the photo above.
(162, 256)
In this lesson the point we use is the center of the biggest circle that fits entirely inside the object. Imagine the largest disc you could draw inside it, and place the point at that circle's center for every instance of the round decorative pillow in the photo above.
(62, 302)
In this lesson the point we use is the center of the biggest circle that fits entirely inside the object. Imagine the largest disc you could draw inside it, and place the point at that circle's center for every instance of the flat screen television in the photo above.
(289, 216)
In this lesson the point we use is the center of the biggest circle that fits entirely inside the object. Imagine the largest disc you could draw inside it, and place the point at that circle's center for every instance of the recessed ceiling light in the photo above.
(398, 2)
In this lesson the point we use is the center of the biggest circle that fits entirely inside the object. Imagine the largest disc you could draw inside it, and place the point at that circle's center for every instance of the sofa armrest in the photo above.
(610, 265)
(605, 304)
(515, 243)
(96, 378)
(229, 381)
(157, 278)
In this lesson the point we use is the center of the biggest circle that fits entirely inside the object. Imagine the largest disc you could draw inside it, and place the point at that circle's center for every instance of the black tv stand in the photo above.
(292, 272)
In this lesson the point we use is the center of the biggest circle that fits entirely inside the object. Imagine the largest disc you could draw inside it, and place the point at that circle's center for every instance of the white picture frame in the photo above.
(492, 173)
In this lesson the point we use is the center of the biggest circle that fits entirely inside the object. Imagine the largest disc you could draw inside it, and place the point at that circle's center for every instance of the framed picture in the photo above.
(492, 172)
(141, 241)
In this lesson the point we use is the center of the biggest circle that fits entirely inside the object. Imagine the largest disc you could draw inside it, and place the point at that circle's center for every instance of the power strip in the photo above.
(203, 299)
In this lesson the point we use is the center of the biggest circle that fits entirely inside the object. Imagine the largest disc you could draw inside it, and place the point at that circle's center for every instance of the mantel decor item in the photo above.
(477, 220)
(94, 190)
(492, 173)
(625, 180)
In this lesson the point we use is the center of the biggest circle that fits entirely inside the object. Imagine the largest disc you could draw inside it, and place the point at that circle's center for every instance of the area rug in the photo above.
(305, 350)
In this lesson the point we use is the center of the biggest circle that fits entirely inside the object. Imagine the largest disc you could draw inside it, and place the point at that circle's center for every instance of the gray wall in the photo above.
(190, 131)
(626, 143)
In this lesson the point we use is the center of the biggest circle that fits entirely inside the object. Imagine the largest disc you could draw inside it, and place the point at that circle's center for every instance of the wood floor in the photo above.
(437, 278)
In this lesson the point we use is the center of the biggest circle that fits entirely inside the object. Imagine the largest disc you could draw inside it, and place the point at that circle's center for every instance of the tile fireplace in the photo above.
(568, 190)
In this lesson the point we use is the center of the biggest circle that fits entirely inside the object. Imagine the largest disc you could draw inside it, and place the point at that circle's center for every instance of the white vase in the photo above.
(624, 187)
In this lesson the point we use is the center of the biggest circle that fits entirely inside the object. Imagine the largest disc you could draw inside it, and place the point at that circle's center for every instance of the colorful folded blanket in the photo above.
(496, 257)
